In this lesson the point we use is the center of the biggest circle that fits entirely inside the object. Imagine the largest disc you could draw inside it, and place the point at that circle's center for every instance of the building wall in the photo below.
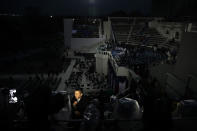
(102, 64)
(107, 29)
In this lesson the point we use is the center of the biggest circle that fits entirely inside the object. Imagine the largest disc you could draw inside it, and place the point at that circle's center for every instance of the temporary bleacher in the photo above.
(134, 31)
(121, 28)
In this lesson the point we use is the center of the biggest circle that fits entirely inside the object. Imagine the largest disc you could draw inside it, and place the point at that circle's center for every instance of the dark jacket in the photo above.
(80, 107)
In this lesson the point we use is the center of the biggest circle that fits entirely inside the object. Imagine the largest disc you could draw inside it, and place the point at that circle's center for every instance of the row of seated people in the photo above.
(139, 55)
(96, 80)
(76, 76)
(126, 54)
(146, 54)
(74, 80)
(84, 71)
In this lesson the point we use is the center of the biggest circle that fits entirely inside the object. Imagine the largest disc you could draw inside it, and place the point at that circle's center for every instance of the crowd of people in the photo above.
(84, 75)
(135, 57)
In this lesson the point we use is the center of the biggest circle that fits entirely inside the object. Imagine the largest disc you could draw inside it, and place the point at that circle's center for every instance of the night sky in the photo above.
(76, 7)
